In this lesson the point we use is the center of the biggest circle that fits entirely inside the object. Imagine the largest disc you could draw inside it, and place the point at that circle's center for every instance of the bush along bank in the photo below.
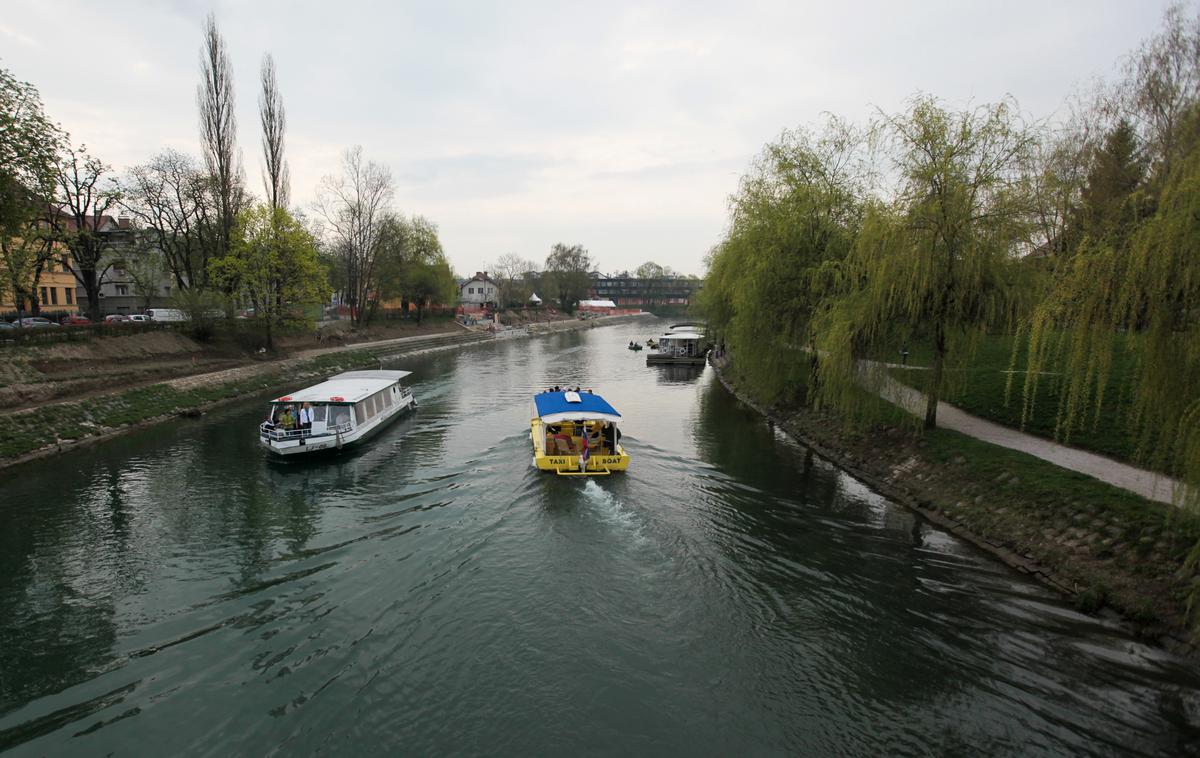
(51, 428)
(1104, 548)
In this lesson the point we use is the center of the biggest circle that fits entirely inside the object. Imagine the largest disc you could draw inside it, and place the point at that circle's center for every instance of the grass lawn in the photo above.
(981, 388)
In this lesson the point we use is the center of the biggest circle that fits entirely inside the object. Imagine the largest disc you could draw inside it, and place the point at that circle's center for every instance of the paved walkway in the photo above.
(1145, 483)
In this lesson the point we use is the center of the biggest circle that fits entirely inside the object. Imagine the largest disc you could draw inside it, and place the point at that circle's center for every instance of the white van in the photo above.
(166, 314)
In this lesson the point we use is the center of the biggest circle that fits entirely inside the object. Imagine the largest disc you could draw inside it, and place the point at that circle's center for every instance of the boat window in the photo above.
(386, 399)
(318, 412)
(360, 413)
(340, 415)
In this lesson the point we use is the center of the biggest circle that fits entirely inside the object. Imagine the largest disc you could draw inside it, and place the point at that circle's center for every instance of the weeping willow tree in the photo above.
(796, 210)
(1143, 297)
(936, 263)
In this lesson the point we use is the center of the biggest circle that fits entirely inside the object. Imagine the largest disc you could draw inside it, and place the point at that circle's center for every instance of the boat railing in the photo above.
(275, 433)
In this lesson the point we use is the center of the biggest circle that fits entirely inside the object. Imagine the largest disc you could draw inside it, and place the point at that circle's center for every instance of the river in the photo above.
(172, 591)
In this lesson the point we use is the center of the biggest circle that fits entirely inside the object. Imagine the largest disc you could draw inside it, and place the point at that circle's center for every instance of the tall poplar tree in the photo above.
(218, 131)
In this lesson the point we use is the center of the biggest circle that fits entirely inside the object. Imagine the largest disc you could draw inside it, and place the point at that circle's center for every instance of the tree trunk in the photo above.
(91, 286)
(933, 390)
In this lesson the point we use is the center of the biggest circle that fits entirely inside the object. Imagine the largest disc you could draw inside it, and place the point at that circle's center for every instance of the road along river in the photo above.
(172, 591)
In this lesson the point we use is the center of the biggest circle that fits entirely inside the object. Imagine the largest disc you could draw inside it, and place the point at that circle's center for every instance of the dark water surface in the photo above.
(173, 592)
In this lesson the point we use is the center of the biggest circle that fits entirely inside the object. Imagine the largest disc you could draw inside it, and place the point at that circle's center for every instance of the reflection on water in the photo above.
(668, 373)
(175, 591)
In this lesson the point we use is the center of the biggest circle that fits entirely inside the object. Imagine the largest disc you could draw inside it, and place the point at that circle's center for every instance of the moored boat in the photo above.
(342, 411)
(575, 434)
(682, 344)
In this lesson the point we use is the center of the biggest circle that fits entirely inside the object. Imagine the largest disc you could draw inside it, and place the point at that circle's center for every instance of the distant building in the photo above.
(629, 292)
(55, 288)
(479, 290)
(133, 275)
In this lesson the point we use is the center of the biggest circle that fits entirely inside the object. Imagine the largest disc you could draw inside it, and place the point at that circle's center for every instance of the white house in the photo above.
(479, 289)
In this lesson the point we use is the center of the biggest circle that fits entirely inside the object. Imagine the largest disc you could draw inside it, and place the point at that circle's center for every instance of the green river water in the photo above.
(173, 592)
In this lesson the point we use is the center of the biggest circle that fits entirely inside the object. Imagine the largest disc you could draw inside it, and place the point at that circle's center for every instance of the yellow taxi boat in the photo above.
(575, 434)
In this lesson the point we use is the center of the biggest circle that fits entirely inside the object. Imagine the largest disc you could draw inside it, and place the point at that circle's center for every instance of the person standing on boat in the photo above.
(306, 416)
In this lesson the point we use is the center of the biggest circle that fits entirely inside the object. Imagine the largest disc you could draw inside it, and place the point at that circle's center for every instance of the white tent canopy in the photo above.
(534, 298)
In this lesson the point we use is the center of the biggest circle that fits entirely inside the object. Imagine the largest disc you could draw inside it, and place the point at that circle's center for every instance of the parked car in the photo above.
(116, 318)
(166, 314)
(34, 321)
(5, 325)
(74, 319)
(139, 317)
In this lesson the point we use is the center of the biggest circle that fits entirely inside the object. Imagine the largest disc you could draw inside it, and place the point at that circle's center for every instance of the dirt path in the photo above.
(1148, 484)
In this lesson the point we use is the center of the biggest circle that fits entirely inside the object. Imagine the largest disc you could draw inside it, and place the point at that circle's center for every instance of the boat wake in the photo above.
(614, 512)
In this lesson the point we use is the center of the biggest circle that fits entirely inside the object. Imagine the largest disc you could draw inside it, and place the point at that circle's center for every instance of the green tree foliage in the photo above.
(936, 263)
(274, 265)
(1145, 295)
(1109, 209)
(412, 264)
(650, 270)
(797, 212)
(29, 145)
(568, 275)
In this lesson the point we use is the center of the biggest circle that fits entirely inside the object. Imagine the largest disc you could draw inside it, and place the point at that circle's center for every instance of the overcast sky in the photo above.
(620, 126)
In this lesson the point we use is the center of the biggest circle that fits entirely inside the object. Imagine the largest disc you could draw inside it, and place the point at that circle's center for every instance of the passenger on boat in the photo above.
(562, 441)
(286, 419)
(306, 416)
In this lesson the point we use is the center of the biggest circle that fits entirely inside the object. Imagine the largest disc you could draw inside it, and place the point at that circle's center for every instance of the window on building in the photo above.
(122, 289)
(70, 293)
(470, 290)
(54, 295)
(44, 298)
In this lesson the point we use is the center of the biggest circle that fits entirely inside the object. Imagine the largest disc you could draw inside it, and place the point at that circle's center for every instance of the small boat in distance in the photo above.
(341, 411)
(575, 434)
(634, 346)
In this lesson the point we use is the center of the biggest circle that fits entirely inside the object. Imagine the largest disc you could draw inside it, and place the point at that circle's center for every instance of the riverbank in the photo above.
(55, 428)
(1106, 549)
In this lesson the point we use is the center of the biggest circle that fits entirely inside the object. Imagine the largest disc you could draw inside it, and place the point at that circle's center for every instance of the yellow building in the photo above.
(55, 292)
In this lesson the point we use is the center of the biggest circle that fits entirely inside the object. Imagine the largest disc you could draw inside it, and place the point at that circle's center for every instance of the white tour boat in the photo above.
(683, 344)
(341, 411)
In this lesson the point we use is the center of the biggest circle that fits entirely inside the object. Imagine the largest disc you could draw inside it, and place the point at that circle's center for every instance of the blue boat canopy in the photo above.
(555, 407)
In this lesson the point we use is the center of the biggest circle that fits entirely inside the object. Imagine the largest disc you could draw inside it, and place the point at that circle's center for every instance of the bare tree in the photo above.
(82, 202)
(274, 123)
(171, 199)
(510, 271)
(218, 131)
(353, 207)
(1163, 82)
(1060, 161)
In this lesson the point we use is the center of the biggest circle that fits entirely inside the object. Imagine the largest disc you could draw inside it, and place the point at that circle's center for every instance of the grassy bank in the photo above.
(1102, 546)
(49, 426)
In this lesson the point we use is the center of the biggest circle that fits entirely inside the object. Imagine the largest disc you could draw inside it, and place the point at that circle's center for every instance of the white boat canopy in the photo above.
(681, 336)
(350, 387)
